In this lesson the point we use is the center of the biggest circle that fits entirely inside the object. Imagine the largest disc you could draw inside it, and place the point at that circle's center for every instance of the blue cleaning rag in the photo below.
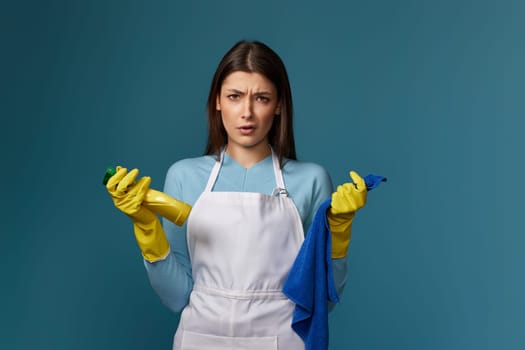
(310, 283)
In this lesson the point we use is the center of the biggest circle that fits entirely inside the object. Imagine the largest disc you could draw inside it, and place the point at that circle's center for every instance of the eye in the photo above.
(262, 99)
(233, 97)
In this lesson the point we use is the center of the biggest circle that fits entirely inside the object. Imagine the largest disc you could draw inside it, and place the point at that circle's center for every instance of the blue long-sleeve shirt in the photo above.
(308, 185)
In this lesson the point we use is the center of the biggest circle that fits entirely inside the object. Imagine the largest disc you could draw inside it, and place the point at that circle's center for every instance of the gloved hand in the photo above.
(348, 198)
(128, 196)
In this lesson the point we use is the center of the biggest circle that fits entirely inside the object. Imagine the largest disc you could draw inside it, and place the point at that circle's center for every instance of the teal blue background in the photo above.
(427, 93)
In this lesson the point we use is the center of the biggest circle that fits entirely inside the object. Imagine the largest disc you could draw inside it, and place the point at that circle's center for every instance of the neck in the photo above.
(248, 156)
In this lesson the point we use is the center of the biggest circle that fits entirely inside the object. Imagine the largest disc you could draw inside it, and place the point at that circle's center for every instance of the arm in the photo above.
(348, 199)
(168, 268)
(171, 278)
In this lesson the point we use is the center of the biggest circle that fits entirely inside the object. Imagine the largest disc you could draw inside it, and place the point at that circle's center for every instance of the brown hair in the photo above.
(256, 57)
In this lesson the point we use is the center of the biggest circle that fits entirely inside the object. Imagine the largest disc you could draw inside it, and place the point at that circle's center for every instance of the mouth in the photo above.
(246, 129)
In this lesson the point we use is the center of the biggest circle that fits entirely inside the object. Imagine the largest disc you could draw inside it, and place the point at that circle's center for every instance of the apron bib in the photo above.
(242, 246)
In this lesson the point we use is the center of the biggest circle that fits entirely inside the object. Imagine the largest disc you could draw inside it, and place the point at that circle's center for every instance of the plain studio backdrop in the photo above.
(427, 93)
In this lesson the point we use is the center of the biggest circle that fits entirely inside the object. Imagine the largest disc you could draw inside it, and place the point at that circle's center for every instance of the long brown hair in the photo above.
(256, 57)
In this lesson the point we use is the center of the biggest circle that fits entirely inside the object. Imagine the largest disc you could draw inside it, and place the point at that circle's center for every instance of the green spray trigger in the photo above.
(109, 173)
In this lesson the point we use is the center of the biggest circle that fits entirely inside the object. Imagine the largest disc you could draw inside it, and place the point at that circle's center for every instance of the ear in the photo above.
(278, 109)
(218, 103)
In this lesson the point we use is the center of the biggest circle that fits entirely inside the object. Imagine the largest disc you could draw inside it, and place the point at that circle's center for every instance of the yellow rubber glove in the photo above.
(128, 197)
(348, 198)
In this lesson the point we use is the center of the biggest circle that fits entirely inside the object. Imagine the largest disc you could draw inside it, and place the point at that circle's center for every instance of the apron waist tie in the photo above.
(240, 294)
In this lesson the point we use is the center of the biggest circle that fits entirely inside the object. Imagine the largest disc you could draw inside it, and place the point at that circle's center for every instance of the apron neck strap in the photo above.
(277, 171)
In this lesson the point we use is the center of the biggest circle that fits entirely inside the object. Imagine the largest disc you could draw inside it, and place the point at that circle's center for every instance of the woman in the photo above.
(252, 204)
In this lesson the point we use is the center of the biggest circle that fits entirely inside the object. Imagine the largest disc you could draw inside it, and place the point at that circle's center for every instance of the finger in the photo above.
(343, 200)
(115, 179)
(341, 189)
(358, 181)
(142, 187)
(128, 180)
(346, 188)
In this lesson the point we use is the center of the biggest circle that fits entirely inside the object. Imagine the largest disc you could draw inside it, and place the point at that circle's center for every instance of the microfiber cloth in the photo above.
(310, 283)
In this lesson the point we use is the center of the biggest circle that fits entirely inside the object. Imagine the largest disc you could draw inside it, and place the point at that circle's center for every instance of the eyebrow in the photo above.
(242, 93)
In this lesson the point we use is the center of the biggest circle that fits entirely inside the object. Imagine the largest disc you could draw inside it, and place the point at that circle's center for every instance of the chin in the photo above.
(250, 144)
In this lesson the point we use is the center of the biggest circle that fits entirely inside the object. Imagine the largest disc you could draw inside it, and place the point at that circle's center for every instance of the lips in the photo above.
(247, 129)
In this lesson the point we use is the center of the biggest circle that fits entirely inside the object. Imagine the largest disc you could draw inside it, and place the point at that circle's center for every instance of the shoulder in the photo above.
(306, 171)
(311, 179)
(190, 167)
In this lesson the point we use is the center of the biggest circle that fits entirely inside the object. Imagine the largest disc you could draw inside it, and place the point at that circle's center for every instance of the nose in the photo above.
(247, 110)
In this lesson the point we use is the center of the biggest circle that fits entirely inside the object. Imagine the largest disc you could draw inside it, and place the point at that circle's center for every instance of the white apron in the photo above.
(241, 246)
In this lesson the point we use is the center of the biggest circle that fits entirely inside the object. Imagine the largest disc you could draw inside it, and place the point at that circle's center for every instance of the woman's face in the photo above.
(248, 103)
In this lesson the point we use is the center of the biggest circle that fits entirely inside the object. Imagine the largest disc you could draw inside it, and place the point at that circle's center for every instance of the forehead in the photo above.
(247, 81)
